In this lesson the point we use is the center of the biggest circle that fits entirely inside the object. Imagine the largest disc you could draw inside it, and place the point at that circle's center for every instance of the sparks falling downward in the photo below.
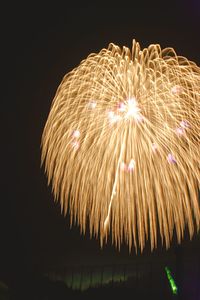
(121, 145)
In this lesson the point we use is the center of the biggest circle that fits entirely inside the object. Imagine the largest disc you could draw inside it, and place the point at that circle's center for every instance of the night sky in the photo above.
(40, 45)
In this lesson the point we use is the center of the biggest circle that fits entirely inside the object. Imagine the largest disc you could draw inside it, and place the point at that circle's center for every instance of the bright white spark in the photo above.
(131, 165)
(92, 104)
(76, 134)
(113, 117)
(133, 110)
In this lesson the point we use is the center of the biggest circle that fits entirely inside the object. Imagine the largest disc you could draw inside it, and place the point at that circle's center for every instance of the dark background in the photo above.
(40, 45)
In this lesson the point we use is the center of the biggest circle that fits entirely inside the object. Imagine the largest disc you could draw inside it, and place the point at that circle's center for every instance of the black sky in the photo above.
(40, 45)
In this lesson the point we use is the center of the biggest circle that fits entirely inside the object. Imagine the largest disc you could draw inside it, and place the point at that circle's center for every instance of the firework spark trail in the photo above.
(114, 188)
(121, 145)
(171, 281)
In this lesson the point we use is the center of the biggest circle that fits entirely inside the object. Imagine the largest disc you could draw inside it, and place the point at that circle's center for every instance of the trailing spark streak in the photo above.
(121, 145)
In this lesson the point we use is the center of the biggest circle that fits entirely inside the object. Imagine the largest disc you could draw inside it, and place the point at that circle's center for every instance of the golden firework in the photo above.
(121, 145)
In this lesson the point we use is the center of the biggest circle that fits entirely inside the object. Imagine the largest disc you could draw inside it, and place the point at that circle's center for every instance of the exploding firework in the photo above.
(121, 145)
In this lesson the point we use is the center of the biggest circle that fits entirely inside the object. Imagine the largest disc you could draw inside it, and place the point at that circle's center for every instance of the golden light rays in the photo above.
(121, 145)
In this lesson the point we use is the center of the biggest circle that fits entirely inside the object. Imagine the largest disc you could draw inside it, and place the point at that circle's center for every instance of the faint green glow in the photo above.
(85, 282)
(171, 281)
(85, 279)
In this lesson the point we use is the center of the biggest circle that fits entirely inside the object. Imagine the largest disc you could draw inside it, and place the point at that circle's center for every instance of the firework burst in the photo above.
(121, 145)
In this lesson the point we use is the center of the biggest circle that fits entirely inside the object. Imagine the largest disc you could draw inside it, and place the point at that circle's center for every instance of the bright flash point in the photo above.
(131, 165)
(75, 145)
(76, 134)
(176, 89)
(180, 131)
(133, 109)
(113, 118)
(184, 124)
(171, 159)
(92, 104)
